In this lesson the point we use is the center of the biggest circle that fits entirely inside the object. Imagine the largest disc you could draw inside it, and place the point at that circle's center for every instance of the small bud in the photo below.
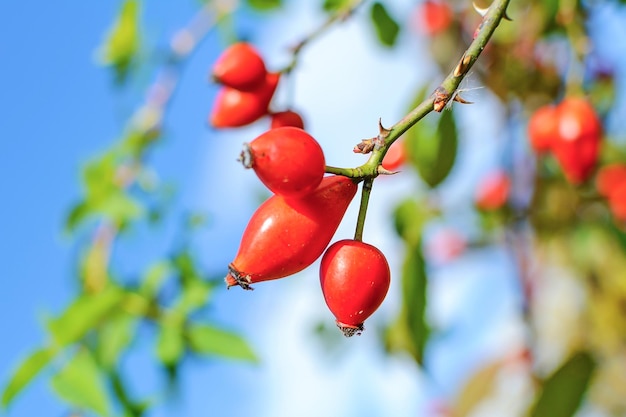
(463, 65)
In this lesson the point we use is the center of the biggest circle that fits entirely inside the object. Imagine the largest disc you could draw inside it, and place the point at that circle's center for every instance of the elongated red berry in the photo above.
(288, 160)
(235, 108)
(355, 278)
(286, 235)
(240, 67)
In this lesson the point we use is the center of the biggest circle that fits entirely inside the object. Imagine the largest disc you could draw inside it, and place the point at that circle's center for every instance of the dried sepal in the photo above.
(440, 99)
(365, 146)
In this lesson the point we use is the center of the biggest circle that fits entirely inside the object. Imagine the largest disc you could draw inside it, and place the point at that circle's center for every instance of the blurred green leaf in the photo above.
(195, 295)
(387, 28)
(478, 387)
(79, 383)
(410, 331)
(170, 344)
(77, 215)
(154, 278)
(414, 289)
(563, 391)
(335, 5)
(114, 337)
(186, 267)
(84, 314)
(432, 149)
(210, 340)
(25, 372)
(122, 41)
(409, 218)
(265, 5)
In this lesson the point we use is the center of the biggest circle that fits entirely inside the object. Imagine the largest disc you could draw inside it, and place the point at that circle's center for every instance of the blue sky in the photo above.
(59, 108)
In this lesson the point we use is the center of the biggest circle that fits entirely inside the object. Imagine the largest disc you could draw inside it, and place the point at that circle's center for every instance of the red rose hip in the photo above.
(355, 278)
(288, 160)
(286, 235)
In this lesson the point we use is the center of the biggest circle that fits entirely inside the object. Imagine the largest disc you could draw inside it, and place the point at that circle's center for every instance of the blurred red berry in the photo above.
(236, 108)
(578, 141)
(286, 118)
(240, 66)
(433, 17)
(395, 156)
(610, 177)
(543, 128)
(445, 246)
(493, 191)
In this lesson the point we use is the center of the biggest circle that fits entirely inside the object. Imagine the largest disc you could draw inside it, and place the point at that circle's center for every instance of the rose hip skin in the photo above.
(286, 118)
(235, 108)
(286, 235)
(289, 161)
(240, 67)
(355, 278)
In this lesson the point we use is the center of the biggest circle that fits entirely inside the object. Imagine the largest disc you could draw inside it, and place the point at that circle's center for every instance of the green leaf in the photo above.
(25, 372)
(264, 5)
(210, 340)
(122, 42)
(170, 344)
(432, 149)
(387, 28)
(84, 314)
(563, 391)
(80, 383)
(114, 337)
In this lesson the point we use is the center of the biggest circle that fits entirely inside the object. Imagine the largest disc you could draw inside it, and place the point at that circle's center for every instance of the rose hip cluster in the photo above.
(572, 132)
(294, 227)
(247, 90)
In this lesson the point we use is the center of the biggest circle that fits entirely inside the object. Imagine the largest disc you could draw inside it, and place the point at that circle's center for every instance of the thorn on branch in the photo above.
(461, 100)
(480, 10)
(383, 133)
(385, 171)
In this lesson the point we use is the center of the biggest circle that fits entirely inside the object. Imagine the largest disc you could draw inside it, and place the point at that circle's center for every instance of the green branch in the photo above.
(437, 101)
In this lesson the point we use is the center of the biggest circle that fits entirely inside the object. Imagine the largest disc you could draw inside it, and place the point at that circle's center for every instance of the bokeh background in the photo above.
(61, 108)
